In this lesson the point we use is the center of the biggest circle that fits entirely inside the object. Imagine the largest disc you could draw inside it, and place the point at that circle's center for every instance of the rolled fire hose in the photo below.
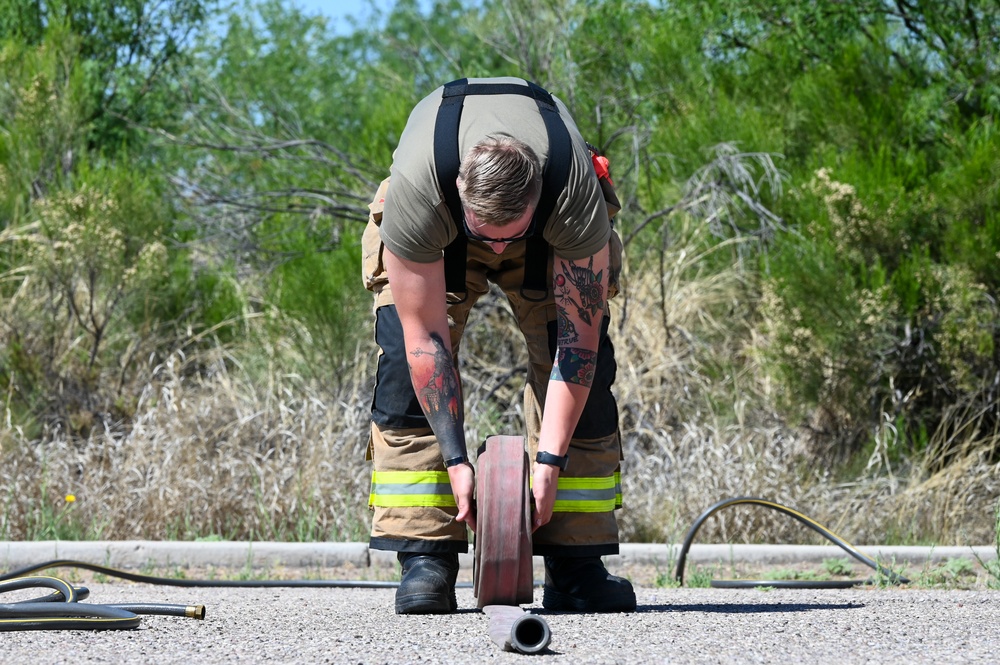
(502, 570)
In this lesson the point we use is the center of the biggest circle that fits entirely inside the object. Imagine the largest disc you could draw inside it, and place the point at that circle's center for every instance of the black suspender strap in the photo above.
(554, 176)
(446, 162)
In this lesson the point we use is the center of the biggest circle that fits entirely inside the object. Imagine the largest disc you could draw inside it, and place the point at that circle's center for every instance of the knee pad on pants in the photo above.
(394, 403)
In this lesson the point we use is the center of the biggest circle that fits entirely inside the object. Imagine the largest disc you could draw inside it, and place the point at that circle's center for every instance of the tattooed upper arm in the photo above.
(581, 291)
(580, 300)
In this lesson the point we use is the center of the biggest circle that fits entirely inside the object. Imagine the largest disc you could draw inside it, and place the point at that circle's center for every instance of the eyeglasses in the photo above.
(472, 235)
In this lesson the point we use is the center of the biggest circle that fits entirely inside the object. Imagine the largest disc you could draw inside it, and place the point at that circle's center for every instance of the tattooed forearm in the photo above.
(574, 366)
(437, 388)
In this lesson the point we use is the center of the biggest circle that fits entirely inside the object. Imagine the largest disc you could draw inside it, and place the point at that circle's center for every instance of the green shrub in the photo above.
(322, 291)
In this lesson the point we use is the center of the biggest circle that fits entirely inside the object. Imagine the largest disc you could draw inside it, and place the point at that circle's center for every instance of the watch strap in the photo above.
(543, 457)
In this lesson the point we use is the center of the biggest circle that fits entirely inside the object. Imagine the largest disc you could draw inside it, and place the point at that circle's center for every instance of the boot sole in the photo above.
(563, 602)
(426, 603)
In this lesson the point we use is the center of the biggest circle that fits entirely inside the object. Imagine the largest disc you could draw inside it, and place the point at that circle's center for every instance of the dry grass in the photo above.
(218, 455)
(241, 453)
(696, 425)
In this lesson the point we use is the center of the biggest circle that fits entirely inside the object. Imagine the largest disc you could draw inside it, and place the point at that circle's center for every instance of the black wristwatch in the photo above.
(455, 461)
(552, 460)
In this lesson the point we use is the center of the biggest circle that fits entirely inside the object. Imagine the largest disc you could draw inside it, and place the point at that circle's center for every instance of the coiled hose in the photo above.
(889, 576)
(61, 609)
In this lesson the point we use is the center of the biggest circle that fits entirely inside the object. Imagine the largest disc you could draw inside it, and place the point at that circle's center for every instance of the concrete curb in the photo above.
(131, 554)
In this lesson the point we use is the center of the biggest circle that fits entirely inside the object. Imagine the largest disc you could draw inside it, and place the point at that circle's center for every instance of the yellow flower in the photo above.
(70, 498)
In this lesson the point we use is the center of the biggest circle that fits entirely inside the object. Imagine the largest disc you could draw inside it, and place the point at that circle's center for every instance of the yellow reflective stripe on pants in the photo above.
(587, 495)
(401, 489)
(618, 489)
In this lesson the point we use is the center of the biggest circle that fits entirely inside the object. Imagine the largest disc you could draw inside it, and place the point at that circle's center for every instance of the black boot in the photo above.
(585, 585)
(428, 583)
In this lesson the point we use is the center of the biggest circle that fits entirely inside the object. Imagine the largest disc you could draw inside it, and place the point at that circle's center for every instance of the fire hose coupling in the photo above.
(512, 629)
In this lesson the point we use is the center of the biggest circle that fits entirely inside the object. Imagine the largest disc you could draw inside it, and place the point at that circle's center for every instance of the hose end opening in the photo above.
(530, 634)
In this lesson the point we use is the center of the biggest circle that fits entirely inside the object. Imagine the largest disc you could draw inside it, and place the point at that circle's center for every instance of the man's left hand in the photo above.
(463, 484)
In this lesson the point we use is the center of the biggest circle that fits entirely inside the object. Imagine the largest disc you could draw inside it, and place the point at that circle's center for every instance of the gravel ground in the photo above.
(671, 626)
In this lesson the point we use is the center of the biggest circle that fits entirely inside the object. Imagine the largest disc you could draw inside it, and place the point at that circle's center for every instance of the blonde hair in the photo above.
(499, 179)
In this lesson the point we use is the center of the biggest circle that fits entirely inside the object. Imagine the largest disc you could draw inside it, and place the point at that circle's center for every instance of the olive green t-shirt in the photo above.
(416, 223)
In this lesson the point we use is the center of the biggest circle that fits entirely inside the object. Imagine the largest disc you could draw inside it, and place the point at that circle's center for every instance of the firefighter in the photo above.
(492, 182)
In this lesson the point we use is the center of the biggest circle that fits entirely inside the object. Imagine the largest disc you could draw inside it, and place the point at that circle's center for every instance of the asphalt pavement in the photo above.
(671, 626)
(358, 625)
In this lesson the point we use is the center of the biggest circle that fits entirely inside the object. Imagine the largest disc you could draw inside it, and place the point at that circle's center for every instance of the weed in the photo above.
(887, 574)
(952, 573)
(791, 574)
(781, 574)
(665, 580)
(838, 567)
(701, 578)
(959, 567)
(49, 519)
(247, 572)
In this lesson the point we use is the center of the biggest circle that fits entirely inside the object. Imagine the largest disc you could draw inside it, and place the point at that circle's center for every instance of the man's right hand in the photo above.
(463, 485)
